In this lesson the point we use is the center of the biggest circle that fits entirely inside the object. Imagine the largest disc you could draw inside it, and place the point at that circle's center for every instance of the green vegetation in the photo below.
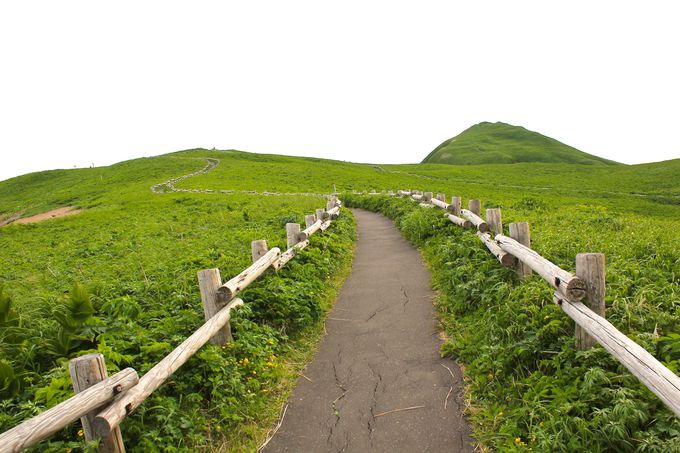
(528, 385)
(132, 257)
(500, 143)
(120, 279)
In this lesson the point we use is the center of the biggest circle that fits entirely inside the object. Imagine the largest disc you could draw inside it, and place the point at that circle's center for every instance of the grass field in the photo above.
(647, 188)
(120, 279)
(136, 254)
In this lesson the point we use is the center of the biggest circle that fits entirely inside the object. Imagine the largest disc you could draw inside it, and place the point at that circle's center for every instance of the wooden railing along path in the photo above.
(101, 402)
(570, 290)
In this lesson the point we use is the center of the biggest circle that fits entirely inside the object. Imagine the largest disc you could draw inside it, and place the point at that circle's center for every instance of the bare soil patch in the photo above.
(54, 213)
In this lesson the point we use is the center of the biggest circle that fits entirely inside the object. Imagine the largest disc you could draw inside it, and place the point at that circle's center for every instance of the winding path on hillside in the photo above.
(212, 163)
(377, 382)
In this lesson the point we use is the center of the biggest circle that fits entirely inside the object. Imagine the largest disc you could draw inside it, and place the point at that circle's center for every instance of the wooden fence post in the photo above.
(441, 197)
(455, 202)
(320, 214)
(292, 232)
(520, 232)
(258, 249)
(475, 206)
(427, 196)
(590, 269)
(86, 371)
(209, 281)
(309, 220)
(493, 218)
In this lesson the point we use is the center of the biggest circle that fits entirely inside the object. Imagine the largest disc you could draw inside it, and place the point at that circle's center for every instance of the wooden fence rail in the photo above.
(588, 284)
(465, 223)
(63, 414)
(570, 285)
(475, 220)
(111, 417)
(128, 389)
(660, 380)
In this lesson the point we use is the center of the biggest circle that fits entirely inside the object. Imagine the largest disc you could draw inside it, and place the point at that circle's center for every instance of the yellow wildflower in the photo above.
(80, 433)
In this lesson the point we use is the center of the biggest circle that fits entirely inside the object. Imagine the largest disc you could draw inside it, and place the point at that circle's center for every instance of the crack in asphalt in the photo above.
(383, 308)
(406, 298)
(336, 411)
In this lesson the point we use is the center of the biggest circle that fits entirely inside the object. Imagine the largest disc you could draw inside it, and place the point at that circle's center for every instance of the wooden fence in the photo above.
(588, 285)
(101, 402)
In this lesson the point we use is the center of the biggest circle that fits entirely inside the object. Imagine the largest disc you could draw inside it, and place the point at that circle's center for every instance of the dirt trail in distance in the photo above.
(54, 213)
(377, 382)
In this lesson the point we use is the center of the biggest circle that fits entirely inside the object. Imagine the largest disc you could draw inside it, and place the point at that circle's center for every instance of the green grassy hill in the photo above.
(136, 254)
(120, 279)
(500, 143)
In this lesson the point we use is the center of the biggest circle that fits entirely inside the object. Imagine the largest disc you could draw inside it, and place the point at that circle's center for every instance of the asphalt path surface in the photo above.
(377, 382)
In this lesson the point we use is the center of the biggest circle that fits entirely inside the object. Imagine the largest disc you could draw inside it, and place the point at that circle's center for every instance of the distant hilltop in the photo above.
(501, 143)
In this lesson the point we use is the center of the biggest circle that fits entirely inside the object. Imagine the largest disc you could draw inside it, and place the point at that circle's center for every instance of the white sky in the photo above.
(87, 82)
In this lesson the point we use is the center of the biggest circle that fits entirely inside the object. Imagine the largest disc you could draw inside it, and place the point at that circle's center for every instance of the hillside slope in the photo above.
(121, 275)
(137, 253)
(500, 143)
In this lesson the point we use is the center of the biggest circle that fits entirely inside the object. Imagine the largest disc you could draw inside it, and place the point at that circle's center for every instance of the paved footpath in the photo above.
(377, 383)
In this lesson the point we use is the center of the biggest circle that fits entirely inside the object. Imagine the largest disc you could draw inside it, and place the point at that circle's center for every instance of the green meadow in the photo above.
(120, 278)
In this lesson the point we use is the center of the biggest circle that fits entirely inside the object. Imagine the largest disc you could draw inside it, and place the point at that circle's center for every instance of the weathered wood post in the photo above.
(292, 233)
(520, 232)
(309, 220)
(493, 218)
(258, 249)
(441, 197)
(321, 214)
(590, 269)
(475, 206)
(427, 196)
(209, 281)
(455, 202)
(86, 371)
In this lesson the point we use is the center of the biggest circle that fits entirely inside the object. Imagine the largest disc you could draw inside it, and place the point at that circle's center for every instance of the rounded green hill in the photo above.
(500, 143)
